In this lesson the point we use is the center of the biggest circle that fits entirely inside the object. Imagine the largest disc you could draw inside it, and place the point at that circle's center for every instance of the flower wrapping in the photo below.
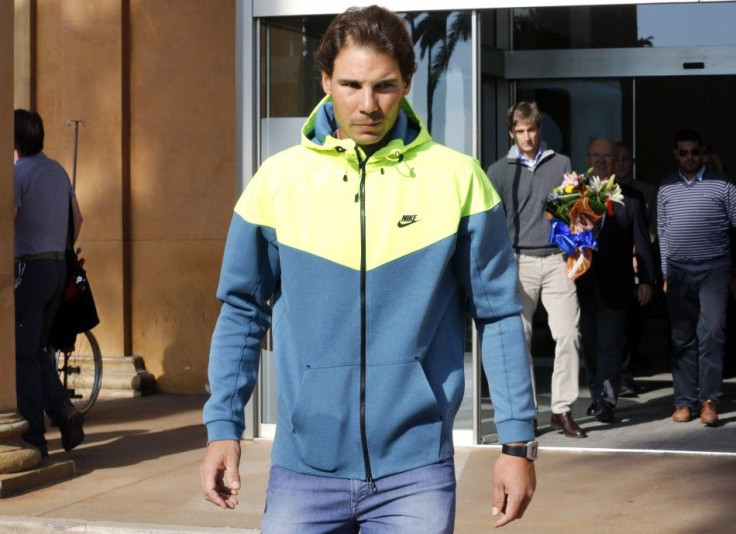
(576, 208)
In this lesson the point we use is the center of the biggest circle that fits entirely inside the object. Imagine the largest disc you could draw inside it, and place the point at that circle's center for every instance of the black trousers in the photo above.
(604, 338)
(38, 387)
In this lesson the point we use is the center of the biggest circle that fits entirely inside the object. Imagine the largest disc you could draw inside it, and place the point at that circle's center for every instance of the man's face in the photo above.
(689, 157)
(526, 136)
(600, 156)
(623, 163)
(366, 88)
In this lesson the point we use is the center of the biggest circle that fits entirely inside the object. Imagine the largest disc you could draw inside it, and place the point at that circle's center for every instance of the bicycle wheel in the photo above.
(80, 371)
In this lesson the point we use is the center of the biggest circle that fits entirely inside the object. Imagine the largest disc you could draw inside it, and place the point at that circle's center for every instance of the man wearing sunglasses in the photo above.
(695, 208)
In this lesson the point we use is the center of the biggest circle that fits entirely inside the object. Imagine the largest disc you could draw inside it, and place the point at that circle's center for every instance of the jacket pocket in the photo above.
(404, 419)
(325, 422)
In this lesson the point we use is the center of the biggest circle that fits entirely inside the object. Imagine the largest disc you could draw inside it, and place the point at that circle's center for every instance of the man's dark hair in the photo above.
(28, 132)
(373, 27)
(688, 134)
(523, 112)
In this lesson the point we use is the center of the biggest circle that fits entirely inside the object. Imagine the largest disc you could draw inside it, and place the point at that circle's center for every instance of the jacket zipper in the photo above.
(363, 434)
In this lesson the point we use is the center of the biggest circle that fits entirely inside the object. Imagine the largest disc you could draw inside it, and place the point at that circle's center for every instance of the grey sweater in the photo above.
(523, 192)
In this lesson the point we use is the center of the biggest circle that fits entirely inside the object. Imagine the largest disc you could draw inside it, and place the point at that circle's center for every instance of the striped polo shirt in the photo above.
(693, 219)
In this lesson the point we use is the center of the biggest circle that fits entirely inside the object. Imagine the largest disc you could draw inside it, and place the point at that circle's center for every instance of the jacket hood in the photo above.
(408, 132)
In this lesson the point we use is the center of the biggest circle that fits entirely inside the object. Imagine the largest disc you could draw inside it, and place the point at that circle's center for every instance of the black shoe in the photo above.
(41, 446)
(628, 391)
(604, 412)
(71, 425)
(591, 409)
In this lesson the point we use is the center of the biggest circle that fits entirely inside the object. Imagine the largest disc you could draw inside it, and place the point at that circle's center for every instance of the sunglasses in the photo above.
(684, 152)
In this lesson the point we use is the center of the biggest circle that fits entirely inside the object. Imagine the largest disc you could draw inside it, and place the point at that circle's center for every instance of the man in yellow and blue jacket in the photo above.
(373, 243)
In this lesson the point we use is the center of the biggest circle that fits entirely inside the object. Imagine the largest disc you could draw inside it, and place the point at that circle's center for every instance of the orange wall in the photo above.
(183, 179)
(78, 76)
(156, 165)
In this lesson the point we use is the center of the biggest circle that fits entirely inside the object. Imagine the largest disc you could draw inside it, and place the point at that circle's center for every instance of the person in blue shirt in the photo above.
(44, 202)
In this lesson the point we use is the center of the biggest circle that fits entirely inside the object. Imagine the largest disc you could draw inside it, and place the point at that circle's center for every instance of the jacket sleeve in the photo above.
(487, 270)
(642, 244)
(249, 275)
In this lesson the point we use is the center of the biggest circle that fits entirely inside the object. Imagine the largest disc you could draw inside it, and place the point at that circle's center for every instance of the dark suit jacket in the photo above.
(612, 269)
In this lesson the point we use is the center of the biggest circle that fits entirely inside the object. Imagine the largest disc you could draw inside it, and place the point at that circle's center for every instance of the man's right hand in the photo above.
(219, 475)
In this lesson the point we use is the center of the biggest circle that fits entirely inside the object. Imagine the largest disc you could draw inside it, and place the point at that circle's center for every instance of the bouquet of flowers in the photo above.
(576, 207)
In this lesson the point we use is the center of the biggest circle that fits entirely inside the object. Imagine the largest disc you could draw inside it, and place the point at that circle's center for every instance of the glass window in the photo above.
(696, 24)
(442, 85)
(574, 27)
(290, 84)
(576, 111)
(702, 24)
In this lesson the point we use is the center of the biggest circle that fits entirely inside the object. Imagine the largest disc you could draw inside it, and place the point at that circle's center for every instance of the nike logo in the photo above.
(406, 220)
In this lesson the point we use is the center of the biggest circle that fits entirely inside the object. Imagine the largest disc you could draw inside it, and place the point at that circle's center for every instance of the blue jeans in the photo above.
(419, 500)
(697, 308)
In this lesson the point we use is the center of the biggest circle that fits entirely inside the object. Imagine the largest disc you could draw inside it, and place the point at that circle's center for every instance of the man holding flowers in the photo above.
(605, 290)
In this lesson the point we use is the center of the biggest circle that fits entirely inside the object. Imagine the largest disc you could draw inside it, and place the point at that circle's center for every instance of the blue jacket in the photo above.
(372, 264)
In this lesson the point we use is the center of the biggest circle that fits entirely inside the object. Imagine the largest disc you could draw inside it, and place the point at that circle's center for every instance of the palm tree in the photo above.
(445, 29)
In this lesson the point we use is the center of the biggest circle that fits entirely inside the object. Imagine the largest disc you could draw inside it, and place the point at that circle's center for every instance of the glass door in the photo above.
(630, 73)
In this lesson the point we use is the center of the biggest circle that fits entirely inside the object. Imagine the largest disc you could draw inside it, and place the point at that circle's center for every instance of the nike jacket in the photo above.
(371, 265)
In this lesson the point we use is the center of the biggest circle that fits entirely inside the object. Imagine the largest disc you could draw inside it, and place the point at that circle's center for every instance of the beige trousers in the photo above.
(545, 277)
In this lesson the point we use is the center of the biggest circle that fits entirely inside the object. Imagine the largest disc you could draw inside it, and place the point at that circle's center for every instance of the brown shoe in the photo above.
(568, 426)
(708, 413)
(682, 414)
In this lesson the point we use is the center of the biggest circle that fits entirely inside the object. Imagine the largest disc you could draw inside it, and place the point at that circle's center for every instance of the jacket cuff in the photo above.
(221, 430)
(515, 431)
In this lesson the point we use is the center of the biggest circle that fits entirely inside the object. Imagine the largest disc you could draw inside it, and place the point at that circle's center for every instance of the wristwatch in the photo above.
(528, 450)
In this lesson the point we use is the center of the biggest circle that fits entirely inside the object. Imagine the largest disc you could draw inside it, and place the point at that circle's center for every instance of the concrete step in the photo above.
(126, 376)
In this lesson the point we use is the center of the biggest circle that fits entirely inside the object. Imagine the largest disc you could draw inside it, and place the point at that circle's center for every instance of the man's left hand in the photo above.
(644, 294)
(514, 482)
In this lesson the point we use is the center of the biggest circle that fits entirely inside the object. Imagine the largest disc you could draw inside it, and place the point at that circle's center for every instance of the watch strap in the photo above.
(528, 450)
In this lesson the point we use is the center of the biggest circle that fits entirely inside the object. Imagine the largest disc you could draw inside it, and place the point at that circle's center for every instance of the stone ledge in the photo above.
(126, 376)
(48, 472)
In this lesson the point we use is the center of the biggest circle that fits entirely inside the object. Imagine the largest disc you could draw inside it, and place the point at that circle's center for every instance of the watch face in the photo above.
(532, 448)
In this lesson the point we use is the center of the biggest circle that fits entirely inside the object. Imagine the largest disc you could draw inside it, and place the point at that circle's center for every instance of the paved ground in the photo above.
(137, 472)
